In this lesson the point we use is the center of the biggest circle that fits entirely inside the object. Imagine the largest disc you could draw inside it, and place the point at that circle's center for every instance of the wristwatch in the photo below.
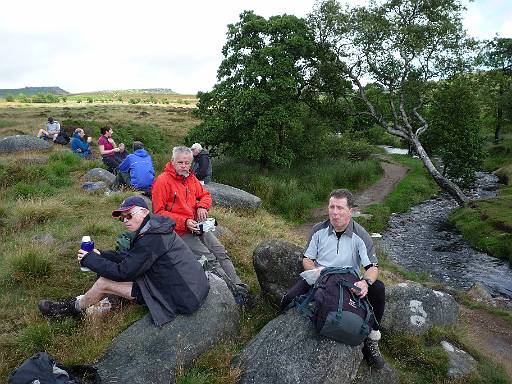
(368, 281)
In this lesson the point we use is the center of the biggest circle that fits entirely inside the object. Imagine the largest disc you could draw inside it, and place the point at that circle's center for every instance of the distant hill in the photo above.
(30, 91)
(144, 90)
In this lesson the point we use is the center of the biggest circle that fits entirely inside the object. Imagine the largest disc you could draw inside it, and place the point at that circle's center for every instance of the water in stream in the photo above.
(422, 242)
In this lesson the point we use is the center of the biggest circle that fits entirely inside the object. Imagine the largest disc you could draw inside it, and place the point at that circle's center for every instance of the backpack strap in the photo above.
(302, 302)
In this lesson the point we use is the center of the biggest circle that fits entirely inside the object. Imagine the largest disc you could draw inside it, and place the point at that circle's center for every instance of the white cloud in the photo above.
(95, 45)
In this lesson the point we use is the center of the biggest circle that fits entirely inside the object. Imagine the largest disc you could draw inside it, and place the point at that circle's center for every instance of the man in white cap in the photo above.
(202, 166)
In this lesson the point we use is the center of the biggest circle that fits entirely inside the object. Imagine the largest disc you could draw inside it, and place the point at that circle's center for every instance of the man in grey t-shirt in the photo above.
(52, 130)
(341, 242)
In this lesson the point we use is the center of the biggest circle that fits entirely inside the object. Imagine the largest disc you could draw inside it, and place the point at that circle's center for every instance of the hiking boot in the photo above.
(244, 298)
(59, 309)
(372, 354)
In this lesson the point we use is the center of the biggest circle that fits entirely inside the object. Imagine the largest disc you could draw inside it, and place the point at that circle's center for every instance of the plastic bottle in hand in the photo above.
(88, 246)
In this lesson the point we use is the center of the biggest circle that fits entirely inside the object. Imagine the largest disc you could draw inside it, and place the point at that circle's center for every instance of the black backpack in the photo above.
(62, 138)
(338, 313)
(42, 368)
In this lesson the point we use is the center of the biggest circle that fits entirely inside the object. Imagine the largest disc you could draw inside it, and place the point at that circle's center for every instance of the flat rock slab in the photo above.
(146, 354)
(100, 174)
(385, 375)
(23, 143)
(288, 351)
(413, 308)
(231, 197)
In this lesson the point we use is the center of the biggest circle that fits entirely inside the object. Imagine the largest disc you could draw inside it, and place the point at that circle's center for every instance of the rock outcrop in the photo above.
(231, 197)
(277, 264)
(460, 362)
(413, 308)
(100, 174)
(23, 143)
(146, 354)
(287, 350)
(94, 186)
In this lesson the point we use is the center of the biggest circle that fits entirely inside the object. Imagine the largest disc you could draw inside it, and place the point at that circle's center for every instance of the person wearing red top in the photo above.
(177, 193)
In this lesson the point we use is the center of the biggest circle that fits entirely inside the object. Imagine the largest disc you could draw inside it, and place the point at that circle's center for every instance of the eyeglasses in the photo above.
(128, 216)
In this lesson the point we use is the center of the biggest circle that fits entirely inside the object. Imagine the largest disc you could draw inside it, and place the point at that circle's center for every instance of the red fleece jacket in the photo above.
(179, 197)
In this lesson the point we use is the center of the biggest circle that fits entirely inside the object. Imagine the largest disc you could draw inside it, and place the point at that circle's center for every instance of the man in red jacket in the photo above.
(178, 194)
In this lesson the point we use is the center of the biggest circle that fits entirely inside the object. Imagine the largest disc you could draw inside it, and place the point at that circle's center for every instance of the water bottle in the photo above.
(88, 246)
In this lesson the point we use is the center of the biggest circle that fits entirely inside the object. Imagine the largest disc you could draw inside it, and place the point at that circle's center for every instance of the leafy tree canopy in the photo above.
(261, 107)
(400, 45)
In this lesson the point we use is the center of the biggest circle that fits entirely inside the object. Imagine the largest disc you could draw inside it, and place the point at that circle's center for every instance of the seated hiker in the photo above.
(136, 170)
(52, 130)
(341, 242)
(158, 270)
(111, 154)
(81, 146)
(177, 194)
(202, 166)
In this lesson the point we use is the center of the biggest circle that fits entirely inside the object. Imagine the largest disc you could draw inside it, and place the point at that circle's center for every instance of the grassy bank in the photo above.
(292, 192)
(487, 224)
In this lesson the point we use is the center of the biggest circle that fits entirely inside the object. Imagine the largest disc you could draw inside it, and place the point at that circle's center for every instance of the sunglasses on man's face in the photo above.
(128, 216)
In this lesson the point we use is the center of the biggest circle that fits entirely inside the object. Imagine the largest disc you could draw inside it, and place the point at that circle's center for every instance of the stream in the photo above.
(422, 241)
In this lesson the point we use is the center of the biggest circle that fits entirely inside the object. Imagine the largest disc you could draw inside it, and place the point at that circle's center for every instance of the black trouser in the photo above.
(376, 296)
(112, 161)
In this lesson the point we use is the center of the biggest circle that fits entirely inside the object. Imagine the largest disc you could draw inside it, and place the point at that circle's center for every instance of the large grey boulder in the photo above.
(287, 350)
(22, 143)
(277, 264)
(231, 197)
(145, 354)
(90, 186)
(413, 308)
(100, 174)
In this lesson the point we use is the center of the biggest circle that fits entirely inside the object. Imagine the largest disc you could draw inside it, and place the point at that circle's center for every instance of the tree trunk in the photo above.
(442, 181)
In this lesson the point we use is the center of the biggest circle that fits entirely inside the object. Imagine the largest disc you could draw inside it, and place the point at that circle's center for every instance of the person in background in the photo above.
(202, 166)
(111, 154)
(52, 130)
(81, 146)
(136, 170)
(157, 270)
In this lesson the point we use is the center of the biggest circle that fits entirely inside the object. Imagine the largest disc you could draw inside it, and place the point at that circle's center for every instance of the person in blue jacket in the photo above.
(136, 170)
(81, 146)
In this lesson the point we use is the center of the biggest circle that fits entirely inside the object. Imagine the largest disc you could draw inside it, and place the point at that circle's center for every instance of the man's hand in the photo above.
(202, 214)
(363, 285)
(192, 226)
(82, 253)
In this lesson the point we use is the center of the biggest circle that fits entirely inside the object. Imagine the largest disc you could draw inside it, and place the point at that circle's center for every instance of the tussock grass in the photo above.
(26, 213)
(31, 263)
(293, 192)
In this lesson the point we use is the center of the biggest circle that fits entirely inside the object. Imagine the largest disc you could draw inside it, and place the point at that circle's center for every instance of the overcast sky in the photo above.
(104, 45)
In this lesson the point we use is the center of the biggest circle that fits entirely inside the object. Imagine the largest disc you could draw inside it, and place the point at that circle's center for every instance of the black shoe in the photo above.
(372, 354)
(244, 298)
(59, 309)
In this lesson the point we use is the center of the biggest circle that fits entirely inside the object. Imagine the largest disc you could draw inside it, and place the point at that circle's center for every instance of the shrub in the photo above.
(9, 98)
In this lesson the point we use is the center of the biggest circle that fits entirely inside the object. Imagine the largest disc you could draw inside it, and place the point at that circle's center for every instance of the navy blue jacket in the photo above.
(79, 146)
(159, 262)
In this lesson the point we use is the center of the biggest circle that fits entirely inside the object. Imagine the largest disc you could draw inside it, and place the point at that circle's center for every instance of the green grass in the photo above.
(487, 224)
(292, 192)
(416, 187)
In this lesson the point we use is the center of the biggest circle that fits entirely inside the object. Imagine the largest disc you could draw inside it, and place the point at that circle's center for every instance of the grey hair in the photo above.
(79, 130)
(181, 150)
(343, 194)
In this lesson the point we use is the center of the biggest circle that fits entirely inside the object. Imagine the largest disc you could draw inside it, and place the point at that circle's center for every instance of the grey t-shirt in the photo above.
(354, 248)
